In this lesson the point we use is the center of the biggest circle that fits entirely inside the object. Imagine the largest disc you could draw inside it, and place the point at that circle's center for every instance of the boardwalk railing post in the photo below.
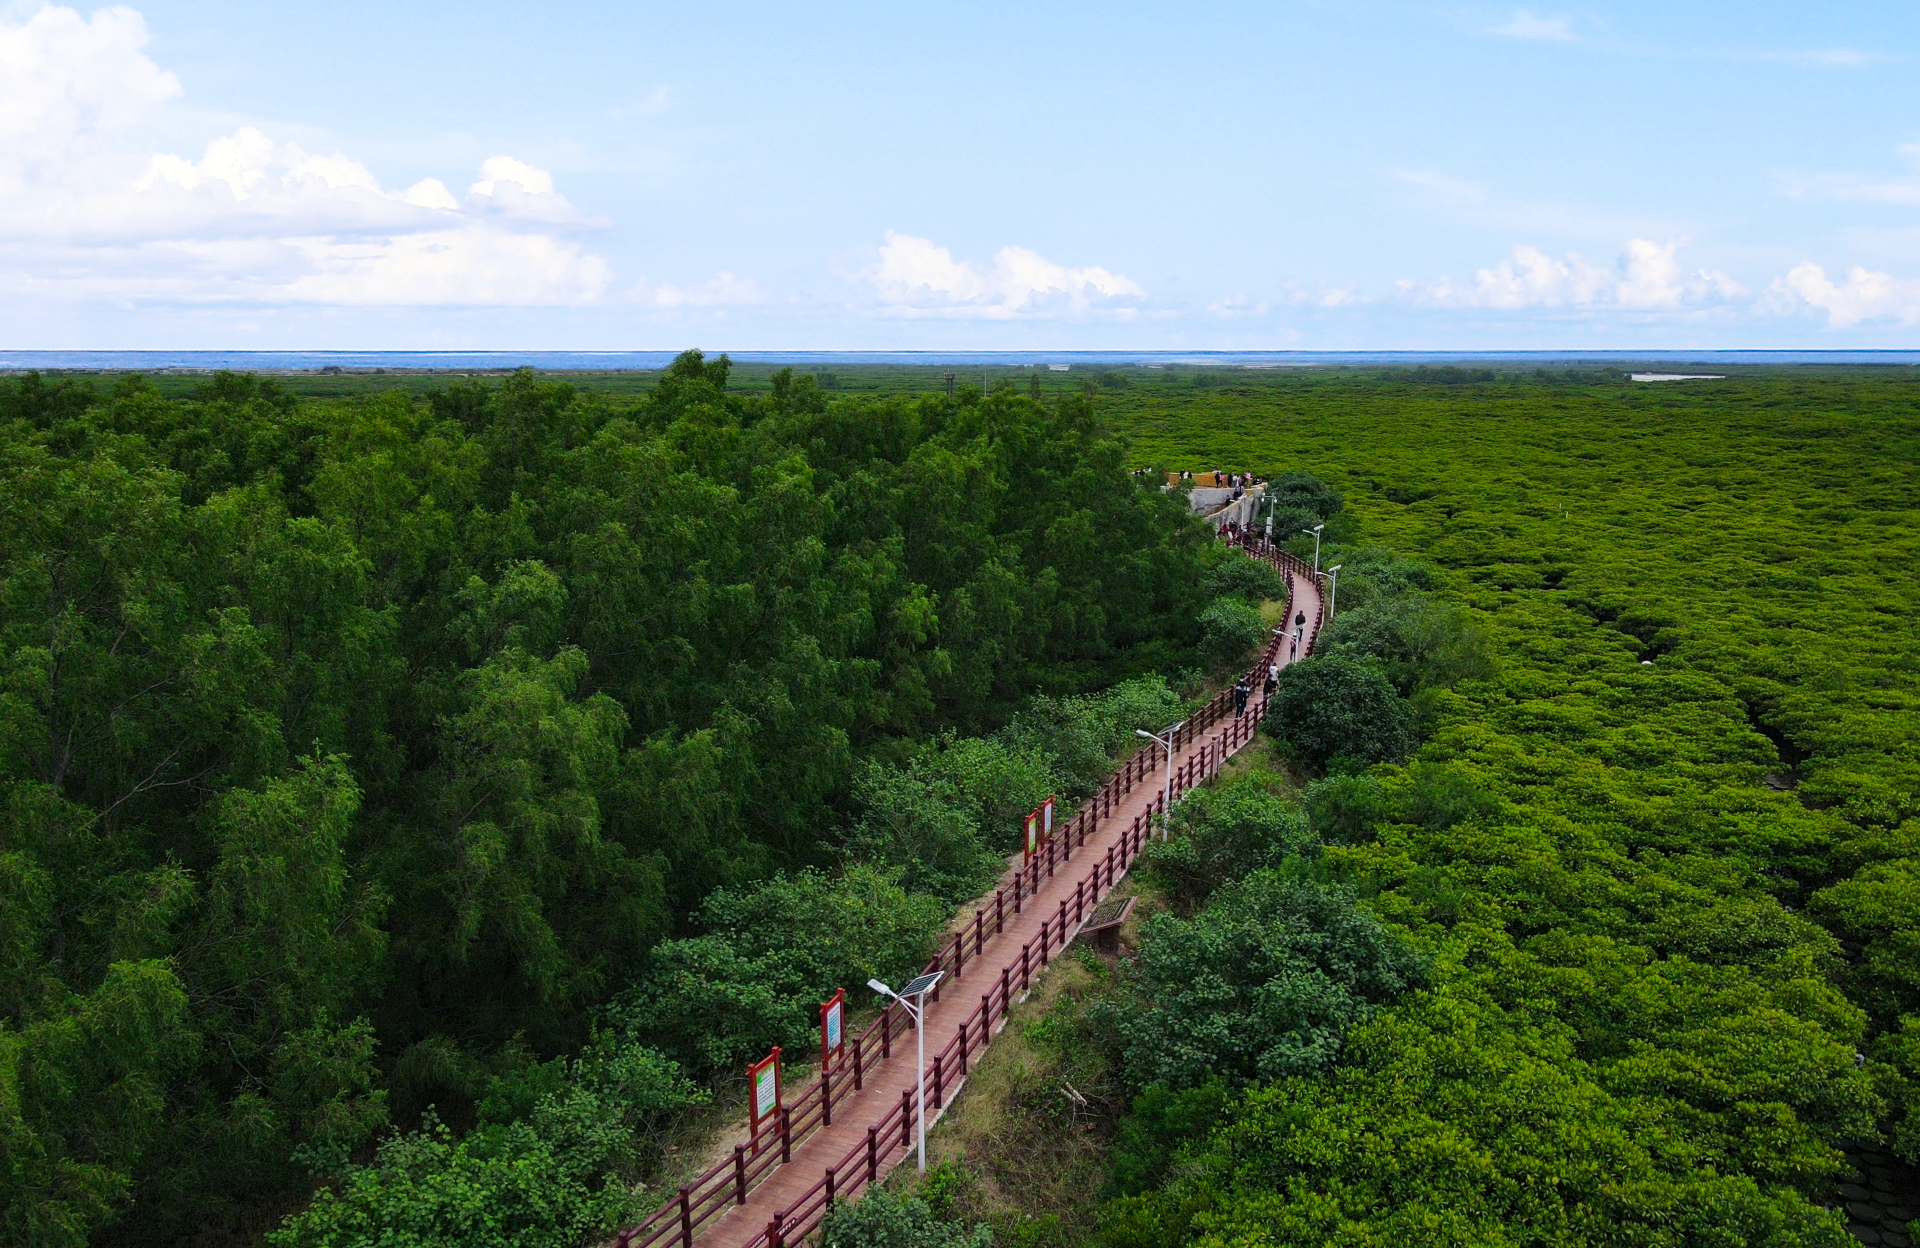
(1006, 995)
(774, 1238)
(886, 1032)
(963, 1050)
(829, 1189)
(686, 1217)
(786, 1135)
(938, 1081)
(906, 1119)
(826, 1097)
(873, 1155)
(857, 1064)
(739, 1174)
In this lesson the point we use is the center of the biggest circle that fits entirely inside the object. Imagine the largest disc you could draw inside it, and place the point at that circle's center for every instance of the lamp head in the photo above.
(879, 987)
(1142, 732)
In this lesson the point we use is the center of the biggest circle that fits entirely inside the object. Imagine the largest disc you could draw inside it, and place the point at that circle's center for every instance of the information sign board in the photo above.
(1046, 818)
(832, 1016)
(763, 1081)
(1033, 833)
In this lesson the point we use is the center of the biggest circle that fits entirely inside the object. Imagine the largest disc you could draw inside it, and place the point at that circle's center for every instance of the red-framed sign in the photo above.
(833, 1014)
(1046, 818)
(1032, 841)
(763, 1092)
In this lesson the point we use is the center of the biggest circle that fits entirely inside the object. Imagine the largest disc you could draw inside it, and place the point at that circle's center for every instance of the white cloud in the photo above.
(1647, 277)
(722, 291)
(1234, 306)
(65, 82)
(86, 214)
(1860, 188)
(1822, 58)
(1525, 24)
(917, 278)
(496, 171)
(1443, 186)
(430, 193)
(1864, 296)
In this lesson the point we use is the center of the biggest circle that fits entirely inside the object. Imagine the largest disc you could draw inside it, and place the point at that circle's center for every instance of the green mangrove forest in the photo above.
(423, 795)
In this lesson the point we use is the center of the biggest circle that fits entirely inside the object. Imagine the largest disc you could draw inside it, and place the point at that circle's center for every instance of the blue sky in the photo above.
(186, 173)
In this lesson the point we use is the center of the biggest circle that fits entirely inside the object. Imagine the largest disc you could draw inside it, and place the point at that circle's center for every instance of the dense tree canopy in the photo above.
(355, 753)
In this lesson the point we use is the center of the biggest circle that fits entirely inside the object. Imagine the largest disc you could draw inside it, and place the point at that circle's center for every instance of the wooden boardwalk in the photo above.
(850, 1127)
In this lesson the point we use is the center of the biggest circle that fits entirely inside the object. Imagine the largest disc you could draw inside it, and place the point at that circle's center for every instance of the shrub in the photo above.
(556, 1176)
(1453, 1127)
(500, 1187)
(714, 1008)
(838, 930)
(1304, 492)
(1344, 809)
(1080, 736)
(1375, 573)
(1239, 576)
(1880, 908)
(1261, 984)
(1901, 1050)
(881, 1219)
(914, 825)
(1419, 642)
(1220, 834)
(1336, 706)
(775, 951)
(1157, 1126)
(1230, 628)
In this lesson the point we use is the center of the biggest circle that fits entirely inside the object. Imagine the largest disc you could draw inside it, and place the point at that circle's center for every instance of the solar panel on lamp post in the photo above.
(1166, 741)
(917, 987)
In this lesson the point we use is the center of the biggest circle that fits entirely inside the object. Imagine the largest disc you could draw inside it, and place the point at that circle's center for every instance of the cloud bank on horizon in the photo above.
(106, 217)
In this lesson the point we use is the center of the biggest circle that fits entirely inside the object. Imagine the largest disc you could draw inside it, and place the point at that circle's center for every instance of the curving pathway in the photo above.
(851, 1128)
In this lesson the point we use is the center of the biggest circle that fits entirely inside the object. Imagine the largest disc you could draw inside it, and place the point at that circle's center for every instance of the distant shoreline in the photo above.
(405, 362)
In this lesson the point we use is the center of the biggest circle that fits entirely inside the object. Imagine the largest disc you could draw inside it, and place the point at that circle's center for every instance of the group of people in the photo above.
(1240, 481)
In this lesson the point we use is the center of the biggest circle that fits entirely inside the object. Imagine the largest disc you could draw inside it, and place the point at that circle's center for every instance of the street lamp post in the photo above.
(1315, 530)
(1166, 742)
(916, 988)
(1333, 589)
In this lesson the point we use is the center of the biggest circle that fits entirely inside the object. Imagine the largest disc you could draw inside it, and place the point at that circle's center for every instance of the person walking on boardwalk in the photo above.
(1240, 694)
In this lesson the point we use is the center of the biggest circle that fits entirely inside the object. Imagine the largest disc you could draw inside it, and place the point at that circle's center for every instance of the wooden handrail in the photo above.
(727, 1182)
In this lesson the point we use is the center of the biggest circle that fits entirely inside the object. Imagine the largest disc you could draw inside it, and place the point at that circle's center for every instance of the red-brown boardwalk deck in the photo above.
(765, 1202)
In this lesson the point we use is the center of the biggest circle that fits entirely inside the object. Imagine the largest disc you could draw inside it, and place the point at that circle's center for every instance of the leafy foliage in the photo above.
(1338, 707)
(1657, 851)
(1262, 983)
(1242, 576)
(1219, 834)
(1451, 1128)
(354, 752)
(881, 1219)
(1231, 627)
